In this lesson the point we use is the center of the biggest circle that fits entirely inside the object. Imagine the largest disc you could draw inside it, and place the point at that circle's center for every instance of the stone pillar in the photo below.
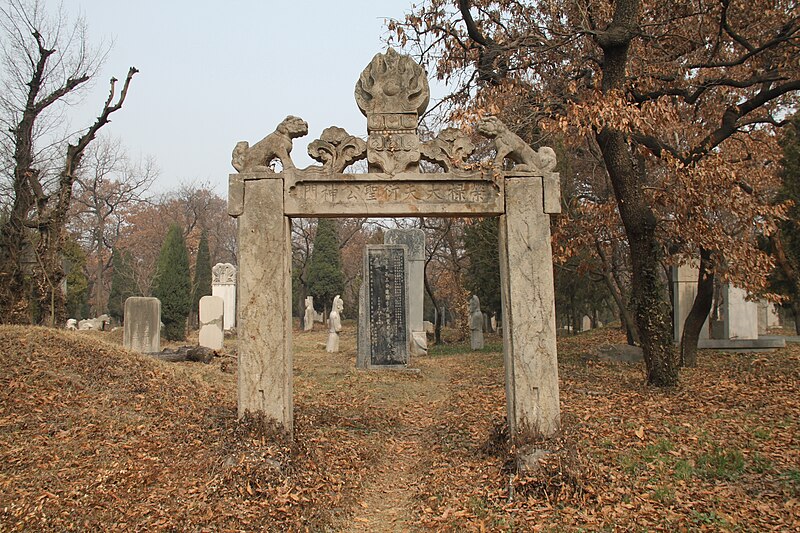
(224, 286)
(414, 239)
(529, 319)
(741, 315)
(684, 290)
(211, 313)
(265, 308)
(142, 332)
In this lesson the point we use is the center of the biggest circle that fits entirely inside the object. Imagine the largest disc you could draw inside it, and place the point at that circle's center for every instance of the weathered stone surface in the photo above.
(414, 240)
(385, 277)
(392, 92)
(510, 145)
(586, 323)
(276, 145)
(212, 309)
(335, 325)
(740, 314)
(475, 323)
(362, 341)
(381, 195)
(264, 329)
(223, 284)
(142, 332)
(309, 315)
(684, 290)
(336, 149)
(450, 149)
(94, 324)
(529, 330)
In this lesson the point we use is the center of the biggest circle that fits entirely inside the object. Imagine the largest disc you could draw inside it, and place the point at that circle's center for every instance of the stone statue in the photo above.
(72, 324)
(450, 149)
(510, 145)
(308, 317)
(276, 145)
(336, 149)
(335, 325)
(475, 323)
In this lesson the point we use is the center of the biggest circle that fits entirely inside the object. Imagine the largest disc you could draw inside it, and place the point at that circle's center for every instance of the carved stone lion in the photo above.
(510, 145)
(276, 145)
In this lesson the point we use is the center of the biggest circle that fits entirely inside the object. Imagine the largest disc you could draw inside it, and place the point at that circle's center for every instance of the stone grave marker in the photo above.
(212, 309)
(414, 239)
(224, 285)
(385, 335)
(142, 331)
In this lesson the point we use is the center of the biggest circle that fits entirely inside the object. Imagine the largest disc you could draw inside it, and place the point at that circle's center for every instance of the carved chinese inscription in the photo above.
(386, 271)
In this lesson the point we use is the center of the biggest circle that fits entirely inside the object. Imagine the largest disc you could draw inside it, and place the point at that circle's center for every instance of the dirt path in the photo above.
(386, 503)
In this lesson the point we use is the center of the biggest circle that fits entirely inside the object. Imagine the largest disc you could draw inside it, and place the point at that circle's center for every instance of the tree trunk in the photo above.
(699, 312)
(628, 323)
(648, 299)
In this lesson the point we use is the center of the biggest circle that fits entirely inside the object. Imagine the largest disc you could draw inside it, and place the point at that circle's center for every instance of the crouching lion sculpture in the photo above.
(276, 145)
(510, 145)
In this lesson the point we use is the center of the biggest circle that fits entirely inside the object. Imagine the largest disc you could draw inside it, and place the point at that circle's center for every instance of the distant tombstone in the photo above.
(475, 323)
(335, 324)
(429, 327)
(72, 324)
(212, 309)
(493, 322)
(586, 323)
(224, 285)
(383, 315)
(414, 239)
(308, 316)
(142, 332)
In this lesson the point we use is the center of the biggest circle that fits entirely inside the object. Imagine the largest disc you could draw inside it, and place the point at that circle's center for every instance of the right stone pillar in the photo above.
(529, 320)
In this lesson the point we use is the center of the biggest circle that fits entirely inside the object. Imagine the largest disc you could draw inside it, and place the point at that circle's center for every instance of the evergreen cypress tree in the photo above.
(202, 273)
(122, 283)
(483, 273)
(325, 275)
(790, 228)
(173, 285)
(77, 282)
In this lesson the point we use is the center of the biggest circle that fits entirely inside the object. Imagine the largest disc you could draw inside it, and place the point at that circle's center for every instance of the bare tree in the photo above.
(109, 183)
(46, 60)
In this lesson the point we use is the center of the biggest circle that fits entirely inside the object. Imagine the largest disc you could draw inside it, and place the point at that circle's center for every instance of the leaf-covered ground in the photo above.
(93, 437)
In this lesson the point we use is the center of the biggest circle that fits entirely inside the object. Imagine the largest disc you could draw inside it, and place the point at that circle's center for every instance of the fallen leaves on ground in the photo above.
(95, 437)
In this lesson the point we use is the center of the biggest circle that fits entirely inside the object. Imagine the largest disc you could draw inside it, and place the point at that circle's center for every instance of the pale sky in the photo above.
(216, 72)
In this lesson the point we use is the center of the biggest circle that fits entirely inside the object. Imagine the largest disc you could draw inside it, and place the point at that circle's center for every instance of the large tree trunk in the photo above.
(437, 327)
(649, 302)
(699, 311)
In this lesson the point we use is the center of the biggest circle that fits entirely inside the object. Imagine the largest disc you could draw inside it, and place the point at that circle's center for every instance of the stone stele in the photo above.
(211, 331)
(142, 331)
(223, 284)
(519, 185)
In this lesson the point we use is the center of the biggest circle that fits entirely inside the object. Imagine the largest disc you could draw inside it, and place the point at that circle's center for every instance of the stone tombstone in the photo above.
(385, 336)
(335, 325)
(308, 315)
(142, 331)
(212, 334)
(475, 323)
(223, 284)
(520, 185)
(414, 240)
(586, 323)
(741, 314)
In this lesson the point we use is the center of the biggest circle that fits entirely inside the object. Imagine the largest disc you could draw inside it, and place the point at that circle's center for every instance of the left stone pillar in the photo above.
(264, 326)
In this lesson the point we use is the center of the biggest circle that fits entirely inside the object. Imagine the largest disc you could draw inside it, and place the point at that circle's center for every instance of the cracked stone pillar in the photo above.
(529, 321)
(265, 310)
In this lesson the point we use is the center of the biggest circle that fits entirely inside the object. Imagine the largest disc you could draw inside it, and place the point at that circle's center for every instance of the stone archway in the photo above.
(391, 92)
